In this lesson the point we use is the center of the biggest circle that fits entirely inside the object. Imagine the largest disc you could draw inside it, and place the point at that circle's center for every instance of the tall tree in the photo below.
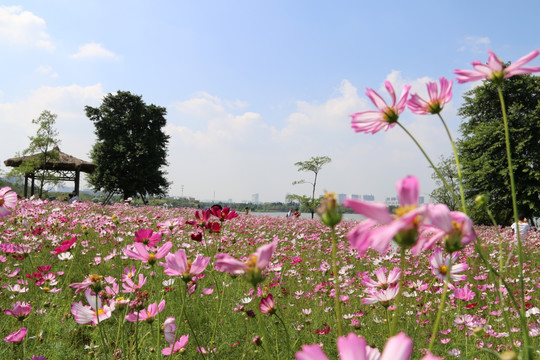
(40, 151)
(131, 148)
(441, 194)
(483, 152)
(313, 165)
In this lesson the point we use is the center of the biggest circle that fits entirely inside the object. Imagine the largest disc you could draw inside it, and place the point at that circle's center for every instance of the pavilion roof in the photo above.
(64, 162)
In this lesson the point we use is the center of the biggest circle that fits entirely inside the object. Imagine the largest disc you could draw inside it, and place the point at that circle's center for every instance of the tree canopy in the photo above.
(41, 146)
(313, 165)
(131, 148)
(482, 148)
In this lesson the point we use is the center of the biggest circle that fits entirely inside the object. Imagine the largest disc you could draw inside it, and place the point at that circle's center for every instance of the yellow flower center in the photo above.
(390, 115)
(443, 269)
(402, 210)
(252, 261)
(100, 311)
(95, 278)
(2, 202)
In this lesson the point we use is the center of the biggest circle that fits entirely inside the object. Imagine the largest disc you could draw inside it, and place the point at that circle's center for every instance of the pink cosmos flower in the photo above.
(465, 294)
(352, 347)
(93, 314)
(386, 117)
(440, 266)
(224, 214)
(147, 237)
(495, 69)
(453, 228)
(20, 310)
(436, 100)
(146, 315)
(177, 346)
(129, 286)
(383, 281)
(169, 329)
(255, 263)
(92, 281)
(65, 246)
(177, 264)
(383, 296)
(268, 305)
(8, 201)
(17, 336)
(146, 255)
(402, 226)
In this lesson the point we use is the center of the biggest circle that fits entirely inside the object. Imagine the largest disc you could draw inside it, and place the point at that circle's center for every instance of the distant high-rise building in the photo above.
(391, 201)
(368, 197)
(255, 198)
(341, 198)
(421, 200)
(355, 196)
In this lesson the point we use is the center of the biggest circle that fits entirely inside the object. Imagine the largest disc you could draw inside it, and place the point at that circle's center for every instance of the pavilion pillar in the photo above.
(25, 186)
(77, 178)
(33, 176)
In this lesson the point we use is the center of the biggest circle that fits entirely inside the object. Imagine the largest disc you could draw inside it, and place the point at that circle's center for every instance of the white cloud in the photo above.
(94, 50)
(68, 102)
(47, 70)
(475, 44)
(23, 28)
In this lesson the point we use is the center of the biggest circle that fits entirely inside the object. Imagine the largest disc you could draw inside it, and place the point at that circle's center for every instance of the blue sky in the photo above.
(251, 87)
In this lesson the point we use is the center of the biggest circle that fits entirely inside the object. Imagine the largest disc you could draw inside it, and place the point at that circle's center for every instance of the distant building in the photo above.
(341, 198)
(255, 198)
(368, 197)
(421, 200)
(355, 196)
(391, 201)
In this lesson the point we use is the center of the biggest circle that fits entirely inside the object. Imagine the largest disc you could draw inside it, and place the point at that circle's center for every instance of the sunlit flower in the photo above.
(20, 310)
(352, 347)
(93, 281)
(440, 265)
(177, 346)
(253, 267)
(147, 237)
(383, 281)
(8, 201)
(17, 336)
(268, 305)
(436, 100)
(383, 296)
(146, 255)
(386, 117)
(146, 314)
(93, 314)
(65, 246)
(177, 264)
(224, 214)
(495, 69)
(402, 226)
(453, 228)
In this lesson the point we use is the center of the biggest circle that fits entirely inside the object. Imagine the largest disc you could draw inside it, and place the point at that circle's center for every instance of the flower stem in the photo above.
(458, 167)
(524, 330)
(398, 304)
(441, 306)
(287, 336)
(430, 163)
(337, 302)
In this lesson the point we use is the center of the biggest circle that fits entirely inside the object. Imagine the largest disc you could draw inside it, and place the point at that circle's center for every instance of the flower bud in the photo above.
(481, 201)
(328, 210)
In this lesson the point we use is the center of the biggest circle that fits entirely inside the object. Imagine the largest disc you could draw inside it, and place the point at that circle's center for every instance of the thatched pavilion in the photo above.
(65, 168)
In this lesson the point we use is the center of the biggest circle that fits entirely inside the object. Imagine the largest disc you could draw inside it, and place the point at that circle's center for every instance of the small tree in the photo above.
(131, 147)
(42, 148)
(313, 165)
(447, 168)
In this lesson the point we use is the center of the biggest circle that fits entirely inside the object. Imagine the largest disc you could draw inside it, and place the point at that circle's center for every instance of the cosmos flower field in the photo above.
(165, 307)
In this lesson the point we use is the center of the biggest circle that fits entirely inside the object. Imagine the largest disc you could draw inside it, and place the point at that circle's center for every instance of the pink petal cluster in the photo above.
(267, 305)
(147, 237)
(352, 347)
(146, 314)
(148, 255)
(386, 117)
(17, 336)
(20, 310)
(404, 223)
(258, 260)
(495, 69)
(440, 265)
(177, 264)
(436, 99)
(8, 201)
(94, 313)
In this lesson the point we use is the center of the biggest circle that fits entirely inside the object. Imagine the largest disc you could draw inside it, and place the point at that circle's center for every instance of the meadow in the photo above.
(46, 246)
